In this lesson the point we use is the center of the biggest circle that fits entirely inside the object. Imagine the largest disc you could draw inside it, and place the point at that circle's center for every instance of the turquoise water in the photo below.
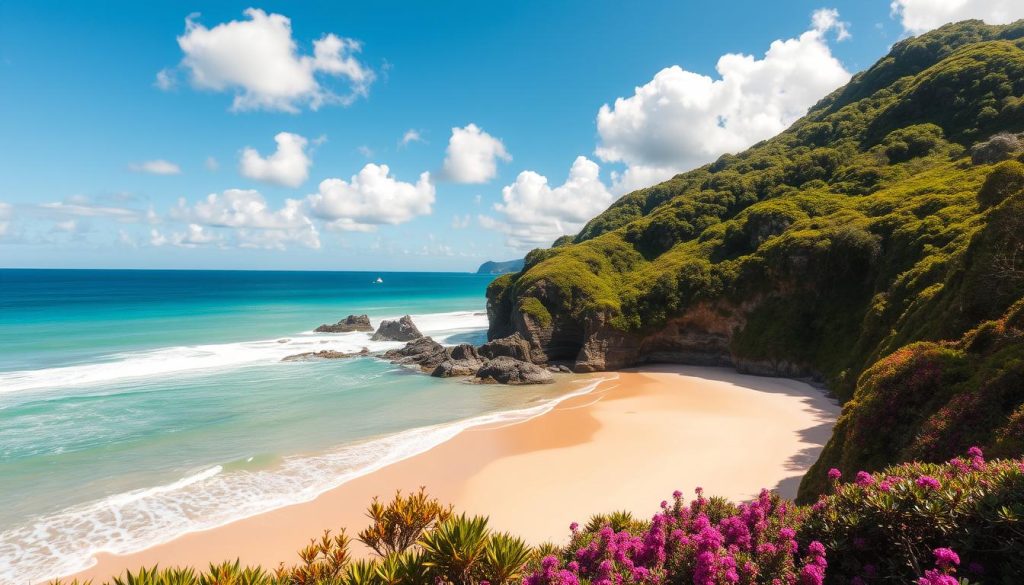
(136, 406)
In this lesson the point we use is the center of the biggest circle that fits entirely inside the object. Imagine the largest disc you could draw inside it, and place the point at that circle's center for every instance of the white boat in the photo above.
(379, 280)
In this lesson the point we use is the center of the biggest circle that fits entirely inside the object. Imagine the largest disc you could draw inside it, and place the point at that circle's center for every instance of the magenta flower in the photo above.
(945, 558)
(928, 482)
(864, 479)
(834, 474)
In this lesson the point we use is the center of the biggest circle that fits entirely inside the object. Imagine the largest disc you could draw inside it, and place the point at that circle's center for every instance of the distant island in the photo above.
(507, 267)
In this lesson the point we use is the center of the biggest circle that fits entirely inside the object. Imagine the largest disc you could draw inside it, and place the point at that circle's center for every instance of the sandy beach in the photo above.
(627, 445)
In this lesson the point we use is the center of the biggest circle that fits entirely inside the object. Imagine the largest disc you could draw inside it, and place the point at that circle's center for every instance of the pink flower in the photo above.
(864, 479)
(975, 453)
(834, 474)
(928, 482)
(945, 558)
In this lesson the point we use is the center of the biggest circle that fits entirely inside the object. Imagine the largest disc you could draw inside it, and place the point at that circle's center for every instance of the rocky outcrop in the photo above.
(505, 370)
(513, 346)
(397, 330)
(702, 336)
(326, 354)
(462, 360)
(347, 325)
(423, 352)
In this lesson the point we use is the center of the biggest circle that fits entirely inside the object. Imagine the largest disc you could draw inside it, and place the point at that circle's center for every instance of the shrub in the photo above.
(1005, 179)
(998, 148)
(706, 542)
(886, 525)
(400, 524)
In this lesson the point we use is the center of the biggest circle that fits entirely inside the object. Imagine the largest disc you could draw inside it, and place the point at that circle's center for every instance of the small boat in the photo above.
(379, 280)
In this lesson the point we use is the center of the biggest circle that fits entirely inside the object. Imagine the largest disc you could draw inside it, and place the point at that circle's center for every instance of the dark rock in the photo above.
(462, 360)
(347, 325)
(564, 369)
(505, 370)
(400, 330)
(423, 352)
(326, 354)
(513, 346)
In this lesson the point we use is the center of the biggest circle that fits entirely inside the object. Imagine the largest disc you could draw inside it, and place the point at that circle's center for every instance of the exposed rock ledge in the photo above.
(347, 325)
(325, 354)
(703, 335)
(397, 330)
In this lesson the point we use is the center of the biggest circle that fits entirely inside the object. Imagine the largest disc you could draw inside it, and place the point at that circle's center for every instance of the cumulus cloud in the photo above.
(473, 155)
(371, 198)
(259, 60)
(156, 167)
(681, 119)
(288, 166)
(535, 214)
(253, 221)
(411, 135)
(194, 236)
(918, 16)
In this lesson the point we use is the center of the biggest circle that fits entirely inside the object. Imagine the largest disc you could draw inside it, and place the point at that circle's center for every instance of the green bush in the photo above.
(1006, 179)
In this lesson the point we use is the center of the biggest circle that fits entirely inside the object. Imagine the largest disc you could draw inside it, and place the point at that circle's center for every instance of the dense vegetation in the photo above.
(921, 522)
(892, 214)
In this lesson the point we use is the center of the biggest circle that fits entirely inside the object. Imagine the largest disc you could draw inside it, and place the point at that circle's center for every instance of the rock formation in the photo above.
(506, 370)
(325, 354)
(397, 330)
(513, 346)
(423, 352)
(347, 325)
(462, 360)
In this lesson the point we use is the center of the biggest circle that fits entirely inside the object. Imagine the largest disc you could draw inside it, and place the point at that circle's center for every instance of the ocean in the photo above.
(136, 406)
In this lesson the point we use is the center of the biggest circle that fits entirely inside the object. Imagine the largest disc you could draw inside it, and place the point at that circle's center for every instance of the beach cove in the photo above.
(639, 435)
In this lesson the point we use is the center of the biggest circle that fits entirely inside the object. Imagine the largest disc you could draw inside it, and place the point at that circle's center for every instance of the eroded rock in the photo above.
(397, 330)
(506, 370)
(347, 325)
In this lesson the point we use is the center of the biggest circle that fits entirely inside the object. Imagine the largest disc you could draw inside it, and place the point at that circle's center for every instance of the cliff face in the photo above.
(890, 214)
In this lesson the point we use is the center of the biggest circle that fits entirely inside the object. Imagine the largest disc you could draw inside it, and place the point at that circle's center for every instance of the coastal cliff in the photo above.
(893, 213)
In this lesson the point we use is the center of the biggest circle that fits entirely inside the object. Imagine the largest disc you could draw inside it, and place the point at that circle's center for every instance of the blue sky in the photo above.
(134, 139)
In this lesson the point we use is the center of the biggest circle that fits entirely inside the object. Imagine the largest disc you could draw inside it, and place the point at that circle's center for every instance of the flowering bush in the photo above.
(707, 542)
(894, 523)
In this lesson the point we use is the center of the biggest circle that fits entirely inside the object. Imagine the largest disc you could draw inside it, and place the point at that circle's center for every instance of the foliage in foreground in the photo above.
(955, 523)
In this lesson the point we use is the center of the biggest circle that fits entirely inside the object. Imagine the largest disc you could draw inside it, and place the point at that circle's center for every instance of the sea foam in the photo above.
(224, 356)
(66, 542)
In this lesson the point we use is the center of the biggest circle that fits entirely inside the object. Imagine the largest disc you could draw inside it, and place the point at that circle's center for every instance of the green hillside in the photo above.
(893, 213)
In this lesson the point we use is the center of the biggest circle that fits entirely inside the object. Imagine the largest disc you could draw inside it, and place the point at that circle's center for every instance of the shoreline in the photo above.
(627, 443)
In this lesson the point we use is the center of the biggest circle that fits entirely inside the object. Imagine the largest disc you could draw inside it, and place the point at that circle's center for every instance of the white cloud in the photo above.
(259, 61)
(918, 16)
(156, 167)
(211, 164)
(165, 80)
(472, 155)
(371, 198)
(680, 119)
(253, 222)
(826, 19)
(411, 135)
(366, 151)
(288, 166)
(6, 213)
(69, 226)
(536, 213)
(81, 207)
(461, 222)
(194, 236)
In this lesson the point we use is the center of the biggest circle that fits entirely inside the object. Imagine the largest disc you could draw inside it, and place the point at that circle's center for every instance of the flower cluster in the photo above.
(876, 526)
(705, 542)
